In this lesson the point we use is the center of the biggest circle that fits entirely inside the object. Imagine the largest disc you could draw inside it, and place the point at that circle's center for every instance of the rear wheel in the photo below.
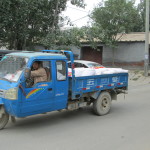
(102, 105)
(4, 117)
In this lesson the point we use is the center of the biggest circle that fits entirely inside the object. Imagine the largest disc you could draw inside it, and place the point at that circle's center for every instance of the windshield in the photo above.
(11, 67)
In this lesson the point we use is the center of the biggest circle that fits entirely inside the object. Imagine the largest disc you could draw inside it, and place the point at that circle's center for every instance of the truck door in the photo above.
(61, 85)
(39, 97)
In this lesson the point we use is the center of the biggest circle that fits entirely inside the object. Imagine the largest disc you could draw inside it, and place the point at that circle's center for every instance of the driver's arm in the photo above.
(37, 73)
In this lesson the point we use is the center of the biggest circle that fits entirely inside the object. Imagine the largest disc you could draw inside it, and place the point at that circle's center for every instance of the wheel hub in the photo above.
(104, 103)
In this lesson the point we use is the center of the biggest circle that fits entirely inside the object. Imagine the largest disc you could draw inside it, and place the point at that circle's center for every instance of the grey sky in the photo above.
(79, 16)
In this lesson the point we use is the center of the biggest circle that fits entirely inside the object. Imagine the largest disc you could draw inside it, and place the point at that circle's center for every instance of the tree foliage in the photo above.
(142, 12)
(24, 22)
(113, 17)
(72, 37)
(67, 38)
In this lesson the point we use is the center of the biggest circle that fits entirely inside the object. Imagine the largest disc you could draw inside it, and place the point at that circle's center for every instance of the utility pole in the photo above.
(146, 59)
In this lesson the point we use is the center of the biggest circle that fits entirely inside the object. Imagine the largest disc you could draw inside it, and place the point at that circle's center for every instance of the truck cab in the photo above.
(33, 98)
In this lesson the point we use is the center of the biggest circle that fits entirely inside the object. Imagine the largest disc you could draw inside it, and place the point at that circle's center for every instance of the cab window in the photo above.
(36, 76)
(61, 70)
(47, 67)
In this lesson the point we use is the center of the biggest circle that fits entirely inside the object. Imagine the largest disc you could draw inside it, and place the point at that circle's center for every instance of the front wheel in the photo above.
(4, 117)
(102, 105)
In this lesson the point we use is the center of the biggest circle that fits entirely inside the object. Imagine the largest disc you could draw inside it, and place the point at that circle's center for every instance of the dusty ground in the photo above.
(136, 77)
(126, 127)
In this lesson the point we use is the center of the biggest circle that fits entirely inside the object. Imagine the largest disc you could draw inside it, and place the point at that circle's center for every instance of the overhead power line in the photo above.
(80, 18)
(77, 9)
(76, 20)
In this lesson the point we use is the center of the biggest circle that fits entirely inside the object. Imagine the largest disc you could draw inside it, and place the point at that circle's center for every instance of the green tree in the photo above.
(113, 17)
(63, 38)
(24, 22)
(142, 11)
(71, 37)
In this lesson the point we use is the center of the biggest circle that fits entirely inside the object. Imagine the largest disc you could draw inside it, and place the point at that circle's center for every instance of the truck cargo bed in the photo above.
(81, 85)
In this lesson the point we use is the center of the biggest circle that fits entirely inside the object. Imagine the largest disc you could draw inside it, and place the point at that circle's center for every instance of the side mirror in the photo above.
(27, 73)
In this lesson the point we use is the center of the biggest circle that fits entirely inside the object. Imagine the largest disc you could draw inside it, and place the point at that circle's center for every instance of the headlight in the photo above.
(11, 94)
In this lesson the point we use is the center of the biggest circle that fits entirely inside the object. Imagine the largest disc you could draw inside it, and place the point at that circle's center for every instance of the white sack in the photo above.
(88, 72)
(79, 72)
(100, 71)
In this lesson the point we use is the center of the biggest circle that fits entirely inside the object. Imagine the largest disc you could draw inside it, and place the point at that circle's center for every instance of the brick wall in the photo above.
(92, 55)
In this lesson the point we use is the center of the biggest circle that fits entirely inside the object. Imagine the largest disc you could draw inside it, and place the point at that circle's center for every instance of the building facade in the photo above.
(130, 51)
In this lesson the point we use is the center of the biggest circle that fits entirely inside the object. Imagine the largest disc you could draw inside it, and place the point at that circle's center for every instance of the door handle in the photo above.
(49, 89)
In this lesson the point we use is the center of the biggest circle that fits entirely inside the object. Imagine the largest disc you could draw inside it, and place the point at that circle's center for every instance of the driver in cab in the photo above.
(38, 74)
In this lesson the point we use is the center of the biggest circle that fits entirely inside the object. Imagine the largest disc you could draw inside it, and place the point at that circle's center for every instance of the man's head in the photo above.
(36, 65)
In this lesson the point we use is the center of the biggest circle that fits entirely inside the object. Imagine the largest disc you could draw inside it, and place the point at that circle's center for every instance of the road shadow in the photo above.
(50, 119)
(53, 119)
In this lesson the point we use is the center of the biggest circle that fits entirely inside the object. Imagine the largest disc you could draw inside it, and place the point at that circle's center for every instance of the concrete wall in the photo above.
(125, 54)
(76, 51)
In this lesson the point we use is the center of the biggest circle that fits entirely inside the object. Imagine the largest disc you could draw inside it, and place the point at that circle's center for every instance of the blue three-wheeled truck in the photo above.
(19, 97)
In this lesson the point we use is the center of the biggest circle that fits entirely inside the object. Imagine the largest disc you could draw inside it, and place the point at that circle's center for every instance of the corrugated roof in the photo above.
(130, 37)
(133, 37)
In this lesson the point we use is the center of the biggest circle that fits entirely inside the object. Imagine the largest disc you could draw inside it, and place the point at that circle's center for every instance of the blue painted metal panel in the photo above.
(40, 99)
(1, 102)
(37, 55)
(98, 83)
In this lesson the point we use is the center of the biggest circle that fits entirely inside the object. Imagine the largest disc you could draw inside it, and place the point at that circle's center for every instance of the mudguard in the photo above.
(1, 102)
(95, 95)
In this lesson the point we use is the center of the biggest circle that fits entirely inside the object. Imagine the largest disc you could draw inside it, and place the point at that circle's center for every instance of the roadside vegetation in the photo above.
(26, 23)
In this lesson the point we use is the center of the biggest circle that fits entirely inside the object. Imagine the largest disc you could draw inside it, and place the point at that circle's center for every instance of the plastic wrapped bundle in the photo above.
(100, 71)
(114, 70)
(124, 71)
(80, 72)
(118, 70)
(108, 72)
(87, 72)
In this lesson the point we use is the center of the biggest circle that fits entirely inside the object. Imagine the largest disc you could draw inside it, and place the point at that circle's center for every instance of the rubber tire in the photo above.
(4, 120)
(102, 105)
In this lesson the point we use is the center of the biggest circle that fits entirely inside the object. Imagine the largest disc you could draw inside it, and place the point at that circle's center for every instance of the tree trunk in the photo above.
(55, 15)
(20, 45)
(113, 59)
(10, 47)
(24, 44)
